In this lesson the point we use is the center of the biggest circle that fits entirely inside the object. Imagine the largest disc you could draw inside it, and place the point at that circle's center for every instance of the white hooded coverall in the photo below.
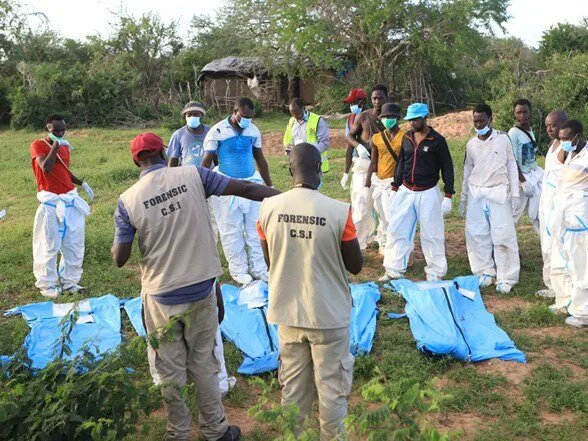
(551, 183)
(490, 179)
(361, 210)
(60, 224)
(571, 223)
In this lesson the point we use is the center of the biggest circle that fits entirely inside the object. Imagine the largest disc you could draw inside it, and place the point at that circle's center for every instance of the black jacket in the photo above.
(421, 171)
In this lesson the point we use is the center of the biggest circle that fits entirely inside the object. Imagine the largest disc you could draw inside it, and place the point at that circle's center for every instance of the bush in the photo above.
(87, 398)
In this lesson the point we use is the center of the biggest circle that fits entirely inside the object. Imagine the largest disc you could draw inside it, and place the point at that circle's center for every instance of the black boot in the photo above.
(233, 433)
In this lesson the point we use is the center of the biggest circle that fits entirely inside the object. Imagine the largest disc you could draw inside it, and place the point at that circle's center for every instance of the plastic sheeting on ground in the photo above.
(97, 328)
(449, 318)
(249, 330)
(246, 325)
(133, 309)
(363, 317)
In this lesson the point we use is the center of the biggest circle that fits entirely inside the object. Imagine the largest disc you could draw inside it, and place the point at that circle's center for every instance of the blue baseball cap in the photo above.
(416, 110)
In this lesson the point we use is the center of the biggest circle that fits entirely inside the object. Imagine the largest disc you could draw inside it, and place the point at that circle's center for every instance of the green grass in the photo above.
(501, 408)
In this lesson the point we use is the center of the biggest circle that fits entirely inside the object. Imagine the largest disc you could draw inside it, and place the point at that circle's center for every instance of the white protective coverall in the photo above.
(551, 183)
(534, 179)
(490, 179)
(570, 222)
(60, 224)
(236, 219)
(407, 208)
(382, 195)
(361, 209)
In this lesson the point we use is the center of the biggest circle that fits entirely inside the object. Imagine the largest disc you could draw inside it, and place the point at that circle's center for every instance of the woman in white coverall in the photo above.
(571, 223)
(490, 190)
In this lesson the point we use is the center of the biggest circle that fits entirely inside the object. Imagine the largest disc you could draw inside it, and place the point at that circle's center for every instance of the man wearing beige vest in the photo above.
(309, 239)
(167, 209)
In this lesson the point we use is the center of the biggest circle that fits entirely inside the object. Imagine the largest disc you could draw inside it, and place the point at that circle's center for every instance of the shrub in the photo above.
(86, 398)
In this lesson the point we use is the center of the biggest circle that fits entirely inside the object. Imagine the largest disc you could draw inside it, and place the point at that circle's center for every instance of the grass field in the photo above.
(546, 399)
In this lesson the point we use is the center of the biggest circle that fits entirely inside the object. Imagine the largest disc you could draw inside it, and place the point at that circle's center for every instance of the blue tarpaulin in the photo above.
(449, 318)
(249, 330)
(133, 309)
(363, 317)
(97, 328)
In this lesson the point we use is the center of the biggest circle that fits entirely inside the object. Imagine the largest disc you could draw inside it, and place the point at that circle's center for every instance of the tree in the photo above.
(565, 38)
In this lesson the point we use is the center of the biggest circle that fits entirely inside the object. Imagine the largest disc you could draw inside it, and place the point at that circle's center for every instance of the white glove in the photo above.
(344, 180)
(88, 191)
(514, 203)
(528, 189)
(462, 207)
(362, 151)
(446, 206)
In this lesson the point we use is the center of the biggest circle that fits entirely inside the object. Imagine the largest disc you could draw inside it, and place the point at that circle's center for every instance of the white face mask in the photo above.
(193, 121)
(483, 131)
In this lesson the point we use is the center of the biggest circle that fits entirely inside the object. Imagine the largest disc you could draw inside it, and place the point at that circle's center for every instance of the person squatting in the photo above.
(305, 243)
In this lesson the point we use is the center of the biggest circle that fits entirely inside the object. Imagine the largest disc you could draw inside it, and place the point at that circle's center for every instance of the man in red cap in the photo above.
(179, 263)
(365, 126)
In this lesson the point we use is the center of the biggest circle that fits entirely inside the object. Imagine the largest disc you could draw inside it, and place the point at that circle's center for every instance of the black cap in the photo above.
(390, 109)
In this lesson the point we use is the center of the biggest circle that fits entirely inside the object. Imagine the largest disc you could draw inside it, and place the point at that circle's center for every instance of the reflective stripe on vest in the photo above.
(311, 129)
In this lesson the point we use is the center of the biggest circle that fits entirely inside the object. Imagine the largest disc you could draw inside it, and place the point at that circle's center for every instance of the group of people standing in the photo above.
(214, 181)
(395, 175)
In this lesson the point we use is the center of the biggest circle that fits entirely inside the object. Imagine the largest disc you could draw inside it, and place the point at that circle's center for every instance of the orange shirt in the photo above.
(58, 180)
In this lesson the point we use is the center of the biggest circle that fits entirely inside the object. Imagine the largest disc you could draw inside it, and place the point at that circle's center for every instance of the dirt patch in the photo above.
(467, 424)
(564, 417)
(273, 142)
(550, 331)
(514, 372)
(499, 304)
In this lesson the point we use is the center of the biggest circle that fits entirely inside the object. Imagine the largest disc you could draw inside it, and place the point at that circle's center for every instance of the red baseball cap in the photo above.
(354, 95)
(146, 142)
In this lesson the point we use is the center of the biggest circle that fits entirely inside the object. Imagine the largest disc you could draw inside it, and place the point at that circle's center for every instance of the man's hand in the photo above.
(88, 191)
(514, 203)
(528, 189)
(463, 206)
(344, 180)
(446, 206)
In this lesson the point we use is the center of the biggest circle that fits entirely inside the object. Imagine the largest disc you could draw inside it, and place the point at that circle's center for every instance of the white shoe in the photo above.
(381, 251)
(385, 278)
(242, 279)
(558, 311)
(73, 289)
(432, 278)
(503, 288)
(545, 294)
(485, 280)
(576, 322)
(263, 276)
(52, 292)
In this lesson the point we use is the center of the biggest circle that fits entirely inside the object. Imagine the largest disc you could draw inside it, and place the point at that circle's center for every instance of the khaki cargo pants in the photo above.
(317, 361)
(188, 356)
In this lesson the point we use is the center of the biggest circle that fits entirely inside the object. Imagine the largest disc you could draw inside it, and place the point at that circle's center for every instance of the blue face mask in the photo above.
(244, 122)
(483, 131)
(355, 109)
(567, 146)
(193, 121)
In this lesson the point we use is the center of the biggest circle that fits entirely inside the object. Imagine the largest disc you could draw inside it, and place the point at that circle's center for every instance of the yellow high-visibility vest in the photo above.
(311, 129)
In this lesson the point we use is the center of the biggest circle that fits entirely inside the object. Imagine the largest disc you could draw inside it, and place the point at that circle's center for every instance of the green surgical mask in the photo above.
(389, 122)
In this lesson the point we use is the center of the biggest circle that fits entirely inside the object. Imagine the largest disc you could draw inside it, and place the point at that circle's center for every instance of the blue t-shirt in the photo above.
(124, 232)
(186, 146)
(234, 149)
